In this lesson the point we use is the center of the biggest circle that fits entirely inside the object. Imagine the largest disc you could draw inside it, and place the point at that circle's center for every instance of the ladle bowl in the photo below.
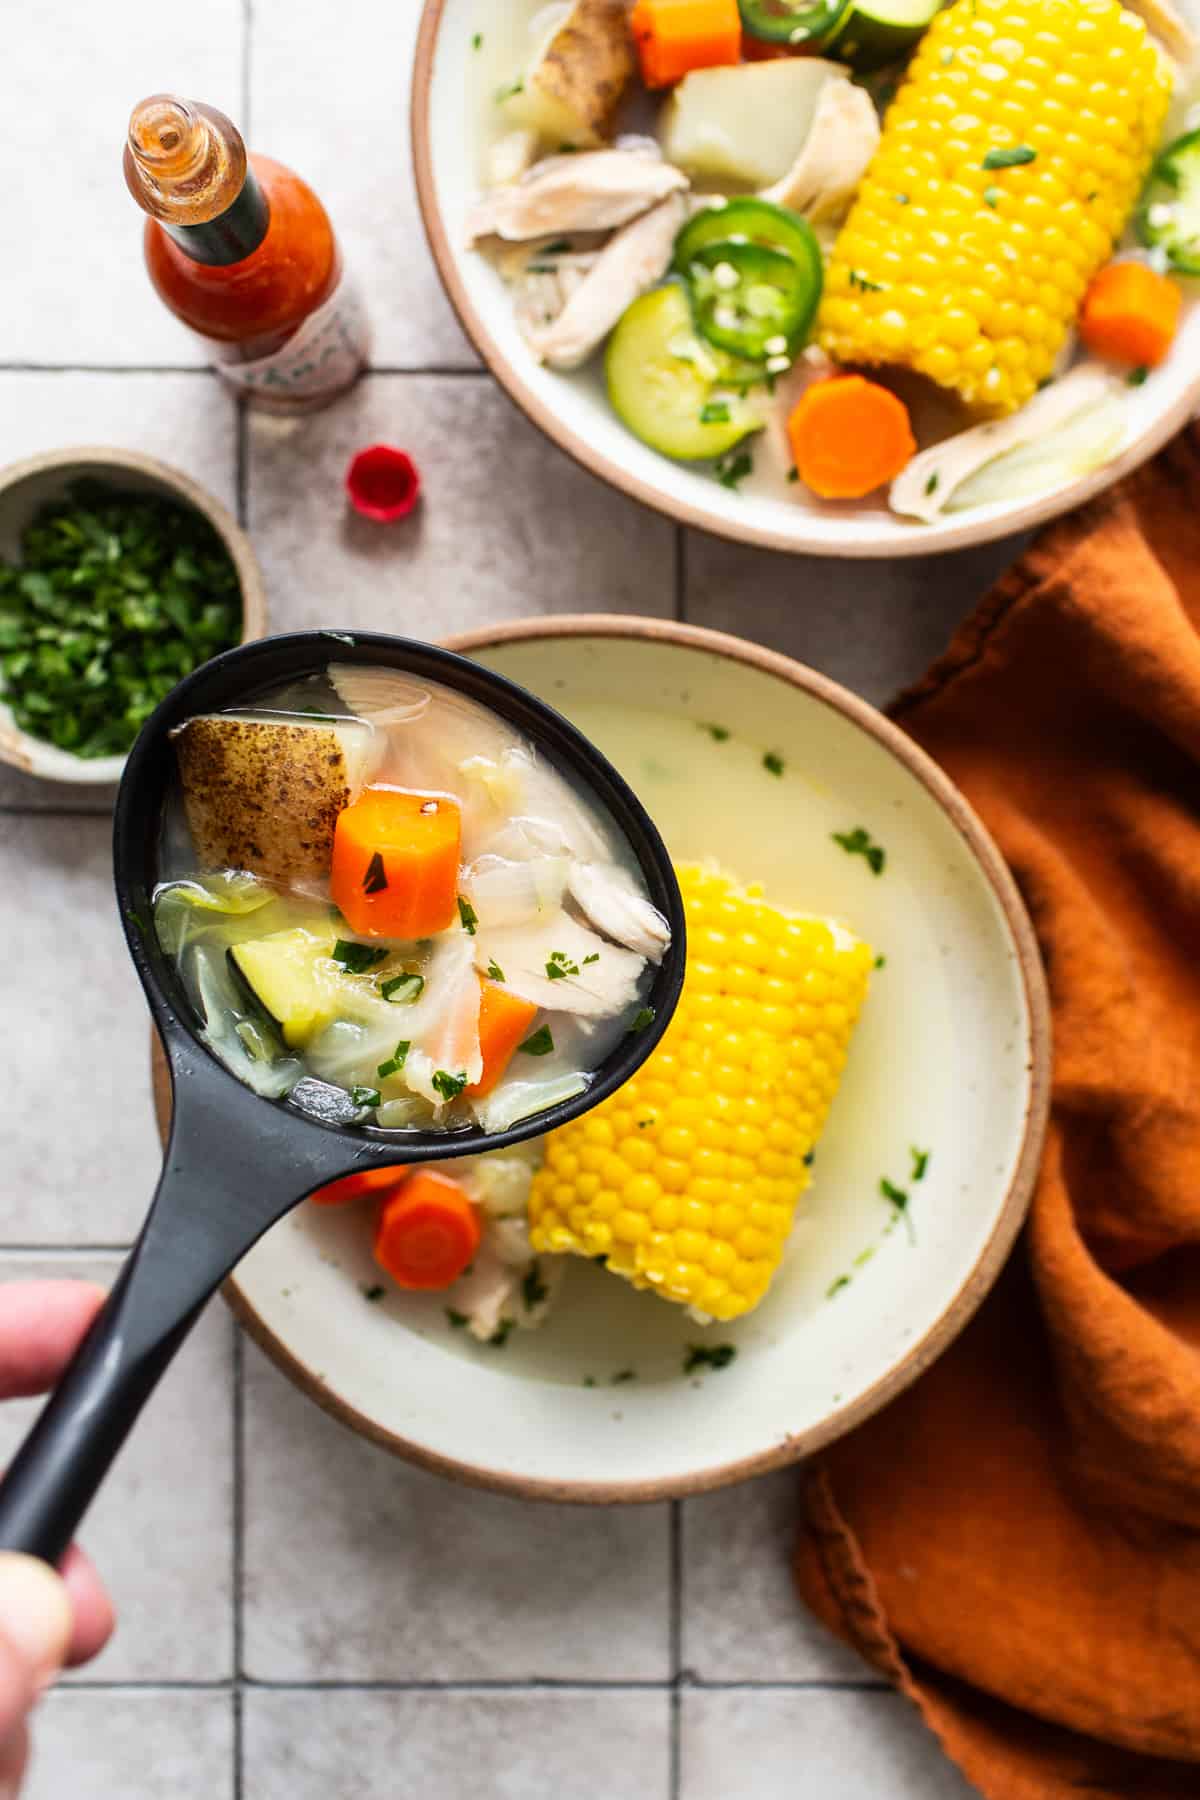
(235, 1162)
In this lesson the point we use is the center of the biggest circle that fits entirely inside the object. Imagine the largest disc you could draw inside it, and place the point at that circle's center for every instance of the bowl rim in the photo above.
(898, 539)
(1010, 1214)
(19, 749)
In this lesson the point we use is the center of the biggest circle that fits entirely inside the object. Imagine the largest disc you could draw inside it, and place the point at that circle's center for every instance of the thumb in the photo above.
(35, 1614)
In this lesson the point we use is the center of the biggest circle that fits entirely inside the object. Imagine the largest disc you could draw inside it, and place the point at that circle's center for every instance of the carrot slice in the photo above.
(427, 1233)
(676, 36)
(849, 436)
(504, 1022)
(395, 863)
(353, 1187)
(1130, 314)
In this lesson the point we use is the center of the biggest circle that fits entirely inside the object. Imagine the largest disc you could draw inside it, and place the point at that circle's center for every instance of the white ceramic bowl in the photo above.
(449, 97)
(952, 1055)
(26, 486)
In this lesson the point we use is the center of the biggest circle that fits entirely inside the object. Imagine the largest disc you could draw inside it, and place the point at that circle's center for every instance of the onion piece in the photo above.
(513, 893)
(514, 1100)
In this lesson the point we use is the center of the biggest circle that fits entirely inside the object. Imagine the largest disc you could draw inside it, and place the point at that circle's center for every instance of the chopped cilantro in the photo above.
(810, 1158)
(624, 1375)
(890, 1191)
(540, 1044)
(589, 1381)
(858, 843)
(560, 966)
(365, 1096)
(835, 1287)
(402, 990)
(718, 733)
(457, 1319)
(375, 880)
(507, 93)
(932, 484)
(594, 957)
(477, 41)
(1136, 377)
(864, 1257)
(448, 1086)
(1011, 158)
(643, 1018)
(920, 1162)
(560, 247)
(374, 1293)
(881, 962)
(991, 196)
(772, 763)
(708, 1356)
(356, 959)
(714, 412)
(793, 474)
(494, 971)
(395, 1062)
(732, 469)
(864, 282)
(533, 1288)
(468, 915)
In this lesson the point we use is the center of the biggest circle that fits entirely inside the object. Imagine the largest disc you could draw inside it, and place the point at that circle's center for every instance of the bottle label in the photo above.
(321, 357)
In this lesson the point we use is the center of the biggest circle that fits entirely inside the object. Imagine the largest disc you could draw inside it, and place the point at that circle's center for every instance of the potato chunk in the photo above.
(571, 88)
(746, 124)
(264, 794)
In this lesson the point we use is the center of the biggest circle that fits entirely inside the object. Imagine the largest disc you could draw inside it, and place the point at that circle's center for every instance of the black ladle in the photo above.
(236, 1163)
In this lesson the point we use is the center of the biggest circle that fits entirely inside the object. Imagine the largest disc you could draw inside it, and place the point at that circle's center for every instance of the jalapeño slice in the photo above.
(794, 22)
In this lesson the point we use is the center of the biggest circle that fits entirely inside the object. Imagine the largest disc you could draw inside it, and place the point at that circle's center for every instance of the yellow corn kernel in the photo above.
(1077, 82)
(692, 1194)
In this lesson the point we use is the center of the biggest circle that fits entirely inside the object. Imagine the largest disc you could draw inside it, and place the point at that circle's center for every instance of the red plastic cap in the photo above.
(382, 483)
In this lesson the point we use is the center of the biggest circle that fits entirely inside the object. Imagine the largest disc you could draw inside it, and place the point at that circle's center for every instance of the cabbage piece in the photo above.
(1086, 442)
(514, 1100)
(272, 1074)
(513, 893)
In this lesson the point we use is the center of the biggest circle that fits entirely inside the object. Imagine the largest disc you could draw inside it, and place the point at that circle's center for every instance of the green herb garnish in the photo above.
(732, 468)
(396, 1061)
(457, 1319)
(932, 484)
(773, 764)
(1012, 158)
(717, 733)
(881, 962)
(858, 843)
(115, 598)
(448, 1086)
(375, 880)
(356, 959)
(501, 1334)
(589, 1381)
(494, 971)
(533, 1288)
(1136, 377)
(477, 41)
(560, 247)
(793, 474)
(365, 1096)
(900, 199)
(920, 1162)
(468, 916)
(642, 1019)
(560, 966)
(810, 1157)
(624, 1375)
(708, 1356)
(890, 1191)
(374, 1293)
(507, 93)
(835, 1287)
(540, 1044)
(714, 412)
(402, 990)
(991, 196)
(594, 957)
(864, 282)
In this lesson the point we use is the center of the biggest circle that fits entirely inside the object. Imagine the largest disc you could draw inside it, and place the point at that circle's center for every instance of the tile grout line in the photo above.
(675, 1625)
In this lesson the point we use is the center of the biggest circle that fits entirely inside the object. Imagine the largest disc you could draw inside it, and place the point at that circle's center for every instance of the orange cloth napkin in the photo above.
(1016, 1541)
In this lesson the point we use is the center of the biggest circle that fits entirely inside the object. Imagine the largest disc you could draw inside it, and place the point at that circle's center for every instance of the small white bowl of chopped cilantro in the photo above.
(118, 576)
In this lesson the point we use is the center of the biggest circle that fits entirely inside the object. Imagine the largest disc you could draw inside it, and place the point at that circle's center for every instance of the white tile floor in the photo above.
(302, 1616)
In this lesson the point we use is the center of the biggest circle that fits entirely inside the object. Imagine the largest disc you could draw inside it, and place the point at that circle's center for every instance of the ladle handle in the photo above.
(233, 1166)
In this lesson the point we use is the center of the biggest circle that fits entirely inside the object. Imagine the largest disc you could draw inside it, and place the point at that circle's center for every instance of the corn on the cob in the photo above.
(967, 263)
(687, 1178)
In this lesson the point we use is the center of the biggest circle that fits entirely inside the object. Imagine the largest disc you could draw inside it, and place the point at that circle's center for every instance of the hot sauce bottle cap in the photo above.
(382, 483)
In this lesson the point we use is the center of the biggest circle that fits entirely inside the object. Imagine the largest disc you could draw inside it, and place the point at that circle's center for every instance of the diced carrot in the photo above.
(353, 1187)
(504, 1022)
(1130, 314)
(849, 436)
(395, 863)
(428, 1232)
(675, 36)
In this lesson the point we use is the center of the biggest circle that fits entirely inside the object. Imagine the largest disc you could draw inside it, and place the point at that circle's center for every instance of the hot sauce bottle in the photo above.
(243, 252)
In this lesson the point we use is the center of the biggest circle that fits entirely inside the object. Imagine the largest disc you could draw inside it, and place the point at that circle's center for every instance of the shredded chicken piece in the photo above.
(596, 190)
(825, 176)
(607, 897)
(593, 300)
(511, 155)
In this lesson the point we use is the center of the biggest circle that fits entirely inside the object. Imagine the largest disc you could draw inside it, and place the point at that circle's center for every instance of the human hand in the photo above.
(47, 1621)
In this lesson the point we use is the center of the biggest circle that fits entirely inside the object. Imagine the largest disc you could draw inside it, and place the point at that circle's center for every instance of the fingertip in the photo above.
(94, 1616)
